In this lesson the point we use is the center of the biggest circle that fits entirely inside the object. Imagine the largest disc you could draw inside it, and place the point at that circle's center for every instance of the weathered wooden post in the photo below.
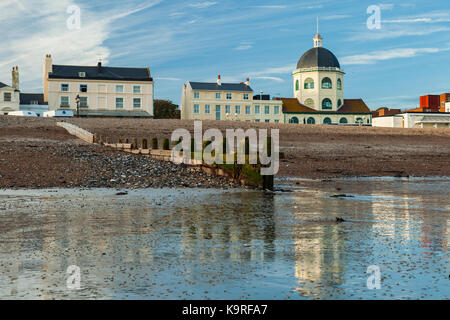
(268, 181)
(155, 143)
(144, 144)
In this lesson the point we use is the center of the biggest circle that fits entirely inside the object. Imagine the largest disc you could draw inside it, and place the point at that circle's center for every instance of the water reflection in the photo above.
(183, 244)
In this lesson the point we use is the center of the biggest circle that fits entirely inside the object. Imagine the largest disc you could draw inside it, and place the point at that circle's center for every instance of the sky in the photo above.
(408, 56)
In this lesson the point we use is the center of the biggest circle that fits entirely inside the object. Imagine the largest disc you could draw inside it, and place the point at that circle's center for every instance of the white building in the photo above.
(227, 101)
(319, 92)
(103, 91)
(10, 95)
(33, 102)
(414, 120)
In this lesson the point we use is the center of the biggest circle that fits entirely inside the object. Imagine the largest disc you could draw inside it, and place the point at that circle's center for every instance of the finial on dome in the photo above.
(318, 38)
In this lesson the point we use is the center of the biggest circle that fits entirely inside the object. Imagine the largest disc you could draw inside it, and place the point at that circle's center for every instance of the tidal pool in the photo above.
(233, 244)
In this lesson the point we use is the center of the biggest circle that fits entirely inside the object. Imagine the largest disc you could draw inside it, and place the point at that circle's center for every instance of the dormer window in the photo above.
(83, 88)
(82, 74)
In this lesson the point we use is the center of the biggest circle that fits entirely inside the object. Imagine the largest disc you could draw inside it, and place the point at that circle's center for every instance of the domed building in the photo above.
(319, 92)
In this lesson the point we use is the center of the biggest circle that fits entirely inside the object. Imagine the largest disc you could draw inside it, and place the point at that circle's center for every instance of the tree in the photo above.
(165, 109)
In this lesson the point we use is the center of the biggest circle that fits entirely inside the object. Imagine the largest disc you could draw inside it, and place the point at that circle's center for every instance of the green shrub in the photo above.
(166, 144)
(155, 143)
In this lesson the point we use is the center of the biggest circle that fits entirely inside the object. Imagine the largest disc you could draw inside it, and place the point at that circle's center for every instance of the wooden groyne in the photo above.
(246, 174)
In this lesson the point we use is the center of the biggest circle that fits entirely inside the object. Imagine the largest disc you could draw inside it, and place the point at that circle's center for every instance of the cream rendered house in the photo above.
(103, 91)
(10, 95)
(226, 101)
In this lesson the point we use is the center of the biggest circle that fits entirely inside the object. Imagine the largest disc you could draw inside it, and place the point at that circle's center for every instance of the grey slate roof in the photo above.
(211, 86)
(26, 98)
(2, 85)
(100, 73)
(318, 57)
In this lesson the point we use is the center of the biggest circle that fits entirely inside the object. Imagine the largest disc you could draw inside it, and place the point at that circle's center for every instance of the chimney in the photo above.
(99, 67)
(48, 68)
(15, 77)
(219, 81)
(247, 82)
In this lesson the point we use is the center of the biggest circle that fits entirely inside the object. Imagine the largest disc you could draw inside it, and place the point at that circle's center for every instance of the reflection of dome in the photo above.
(318, 57)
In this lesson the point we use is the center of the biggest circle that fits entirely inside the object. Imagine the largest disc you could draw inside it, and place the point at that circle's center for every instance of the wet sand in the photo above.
(230, 244)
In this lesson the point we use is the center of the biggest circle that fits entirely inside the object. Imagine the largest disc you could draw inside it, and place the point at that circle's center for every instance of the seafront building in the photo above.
(318, 83)
(227, 101)
(10, 95)
(102, 91)
(318, 97)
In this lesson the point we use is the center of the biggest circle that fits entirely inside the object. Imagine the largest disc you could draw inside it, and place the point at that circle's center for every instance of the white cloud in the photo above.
(270, 7)
(243, 47)
(276, 79)
(376, 56)
(168, 79)
(43, 29)
(202, 5)
(386, 6)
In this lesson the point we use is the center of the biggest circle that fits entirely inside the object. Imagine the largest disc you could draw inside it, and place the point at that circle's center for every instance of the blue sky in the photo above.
(263, 40)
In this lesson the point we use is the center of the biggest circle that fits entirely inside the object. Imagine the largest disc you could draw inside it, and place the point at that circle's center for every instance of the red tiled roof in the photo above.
(354, 106)
(291, 105)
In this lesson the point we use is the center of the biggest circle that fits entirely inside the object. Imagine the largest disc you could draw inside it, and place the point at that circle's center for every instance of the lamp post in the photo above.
(77, 100)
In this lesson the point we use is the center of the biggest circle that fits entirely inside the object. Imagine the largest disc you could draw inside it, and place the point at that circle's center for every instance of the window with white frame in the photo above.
(207, 109)
(196, 109)
(267, 121)
(248, 110)
(229, 96)
(7, 96)
(276, 110)
(64, 101)
(136, 89)
(218, 95)
(227, 109)
(119, 88)
(266, 110)
(257, 120)
(196, 95)
(245, 96)
(238, 109)
(64, 87)
(257, 109)
(136, 103)
(83, 88)
(83, 102)
(119, 103)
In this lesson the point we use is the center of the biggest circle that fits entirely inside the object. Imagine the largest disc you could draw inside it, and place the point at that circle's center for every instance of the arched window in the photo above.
(293, 120)
(327, 121)
(327, 104)
(326, 83)
(297, 85)
(309, 83)
(339, 84)
(343, 121)
(359, 121)
(311, 120)
(309, 103)
(339, 103)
